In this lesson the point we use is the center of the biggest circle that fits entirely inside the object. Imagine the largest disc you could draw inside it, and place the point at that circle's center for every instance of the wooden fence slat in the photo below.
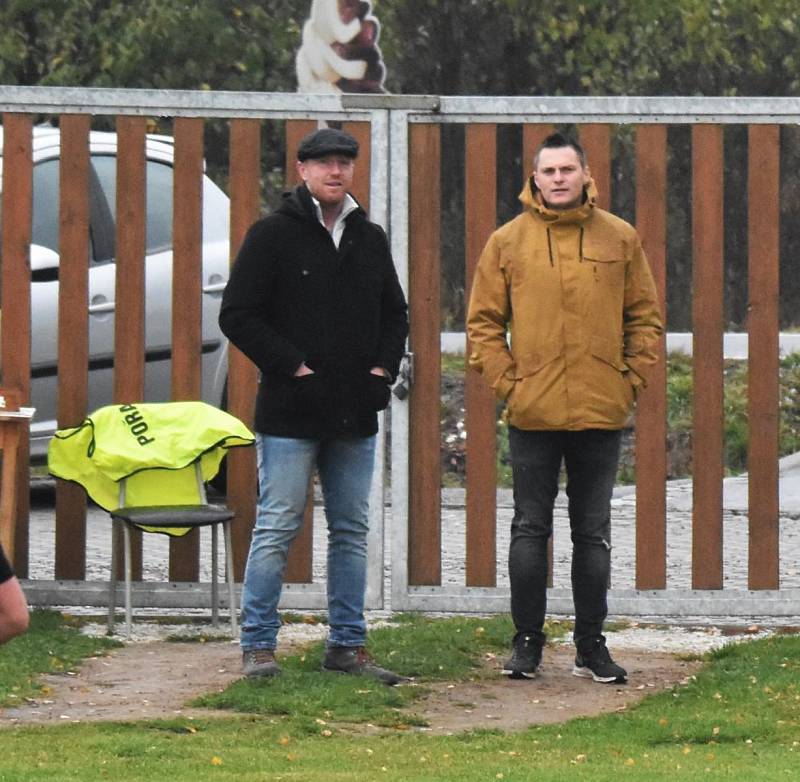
(295, 130)
(596, 142)
(129, 313)
(73, 333)
(480, 186)
(707, 363)
(532, 136)
(424, 518)
(245, 186)
(763, 404)
(651, 408)
(595, 138)
(300, 559)
(15, 285)
(299, 565)
(361, 131)
(187, 282)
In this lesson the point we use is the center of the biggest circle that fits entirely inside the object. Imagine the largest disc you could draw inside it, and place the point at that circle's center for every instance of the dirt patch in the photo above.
(156, 680)
(142, 681)
(555, 695)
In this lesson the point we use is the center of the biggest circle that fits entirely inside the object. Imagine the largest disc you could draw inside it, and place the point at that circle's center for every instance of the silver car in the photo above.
(160, 155)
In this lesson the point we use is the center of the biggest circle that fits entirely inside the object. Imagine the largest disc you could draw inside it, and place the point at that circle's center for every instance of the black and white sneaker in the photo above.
(525, 659)
(596, 663)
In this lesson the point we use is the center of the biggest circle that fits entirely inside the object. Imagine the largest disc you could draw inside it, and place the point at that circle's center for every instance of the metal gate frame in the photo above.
(232, 105)
(627, 110)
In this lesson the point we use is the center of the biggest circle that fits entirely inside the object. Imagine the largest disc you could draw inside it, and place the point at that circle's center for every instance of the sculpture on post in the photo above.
(339, 52)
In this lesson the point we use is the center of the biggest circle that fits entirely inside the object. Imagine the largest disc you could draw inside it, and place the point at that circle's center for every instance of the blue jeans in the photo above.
(285, 467)
(590, 457)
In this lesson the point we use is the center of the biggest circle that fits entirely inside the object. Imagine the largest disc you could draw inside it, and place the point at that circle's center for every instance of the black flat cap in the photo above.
(327, 141)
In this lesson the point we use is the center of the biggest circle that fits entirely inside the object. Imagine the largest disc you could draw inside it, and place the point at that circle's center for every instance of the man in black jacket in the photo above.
(314, 301)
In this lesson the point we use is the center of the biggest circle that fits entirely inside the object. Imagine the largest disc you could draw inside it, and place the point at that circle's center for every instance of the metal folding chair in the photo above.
(172, 520)
(147, 464)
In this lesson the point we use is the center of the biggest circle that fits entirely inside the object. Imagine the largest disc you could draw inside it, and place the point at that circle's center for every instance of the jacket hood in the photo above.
(531, 198)
(299, 204)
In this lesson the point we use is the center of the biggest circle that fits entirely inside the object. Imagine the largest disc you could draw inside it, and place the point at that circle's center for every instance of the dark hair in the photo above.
(557, 141)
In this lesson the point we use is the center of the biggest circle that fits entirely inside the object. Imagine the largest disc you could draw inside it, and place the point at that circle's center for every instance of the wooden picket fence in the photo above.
(401, 141)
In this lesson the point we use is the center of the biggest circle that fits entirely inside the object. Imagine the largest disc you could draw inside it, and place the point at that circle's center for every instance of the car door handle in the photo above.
(216, 284)
(100, 305)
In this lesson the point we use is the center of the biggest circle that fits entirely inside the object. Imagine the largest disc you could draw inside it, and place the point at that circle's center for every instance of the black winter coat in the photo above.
(293, 297)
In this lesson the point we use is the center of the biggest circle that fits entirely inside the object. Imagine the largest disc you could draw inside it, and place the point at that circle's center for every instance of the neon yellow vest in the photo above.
(156, 443)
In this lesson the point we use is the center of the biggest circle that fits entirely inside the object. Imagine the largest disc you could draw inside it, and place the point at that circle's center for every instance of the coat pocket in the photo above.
(608, 262)
(531, 362)
(313, 395)
(608, 352)
(614, 378)
(536, 398)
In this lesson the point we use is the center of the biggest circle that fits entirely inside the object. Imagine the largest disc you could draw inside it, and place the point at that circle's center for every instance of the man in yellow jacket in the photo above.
(563, 323)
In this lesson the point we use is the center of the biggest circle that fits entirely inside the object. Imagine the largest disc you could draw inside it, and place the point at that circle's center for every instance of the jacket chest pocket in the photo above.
(607, 268)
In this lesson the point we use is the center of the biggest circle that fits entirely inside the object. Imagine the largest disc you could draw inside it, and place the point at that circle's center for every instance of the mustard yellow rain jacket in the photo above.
(563, 317)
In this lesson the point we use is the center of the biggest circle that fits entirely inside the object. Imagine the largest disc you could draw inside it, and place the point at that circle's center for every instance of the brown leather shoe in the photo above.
(356, 661)
(259, 662)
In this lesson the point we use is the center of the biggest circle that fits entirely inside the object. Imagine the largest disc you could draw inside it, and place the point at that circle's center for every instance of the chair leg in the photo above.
(214, 585)
(128, 579)
(231, 581)
(112, 581)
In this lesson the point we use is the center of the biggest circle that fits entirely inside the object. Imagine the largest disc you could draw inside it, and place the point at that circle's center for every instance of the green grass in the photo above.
(736, 433)
(738, 718)
(453, 363)
(53, 644)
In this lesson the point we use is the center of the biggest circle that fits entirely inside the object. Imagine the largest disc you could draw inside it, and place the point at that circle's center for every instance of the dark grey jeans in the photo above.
(591, 457)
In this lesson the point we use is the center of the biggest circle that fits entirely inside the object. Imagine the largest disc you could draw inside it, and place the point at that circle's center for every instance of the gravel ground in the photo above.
(674, 639)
